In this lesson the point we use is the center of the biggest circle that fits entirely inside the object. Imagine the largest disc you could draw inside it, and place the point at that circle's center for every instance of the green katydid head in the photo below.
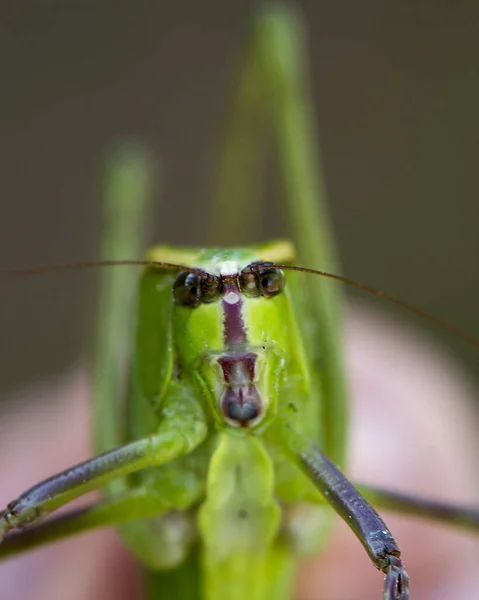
(230, 326)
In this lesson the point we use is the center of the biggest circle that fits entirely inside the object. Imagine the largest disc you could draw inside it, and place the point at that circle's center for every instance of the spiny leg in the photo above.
(368, 526)
(442, 512)
(179, 434)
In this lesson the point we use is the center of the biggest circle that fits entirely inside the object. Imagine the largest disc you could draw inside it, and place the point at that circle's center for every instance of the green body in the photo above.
(219, 431)
(203, 546)
(235, 501)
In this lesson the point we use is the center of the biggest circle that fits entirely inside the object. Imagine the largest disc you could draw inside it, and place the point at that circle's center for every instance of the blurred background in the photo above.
(396, 87)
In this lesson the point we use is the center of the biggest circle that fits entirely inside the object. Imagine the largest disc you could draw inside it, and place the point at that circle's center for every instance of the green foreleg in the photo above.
(179, 433)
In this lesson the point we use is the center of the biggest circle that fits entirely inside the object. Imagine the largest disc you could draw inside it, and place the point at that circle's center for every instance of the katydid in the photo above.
(235, 414)
(223, 429)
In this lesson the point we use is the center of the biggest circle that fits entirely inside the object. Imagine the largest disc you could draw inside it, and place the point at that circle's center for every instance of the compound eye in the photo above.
(210, 288)
(271, 281)
(261, 281)
(249, 283)
(187, 289)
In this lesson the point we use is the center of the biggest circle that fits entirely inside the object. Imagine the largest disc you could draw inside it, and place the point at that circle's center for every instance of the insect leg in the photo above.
(136, 504)
(368, 526)
(443, 512)
(177, 436)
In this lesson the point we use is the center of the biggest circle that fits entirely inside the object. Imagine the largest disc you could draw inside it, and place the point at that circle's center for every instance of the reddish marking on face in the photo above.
(234, 328)
(236, 366)
(241, 401)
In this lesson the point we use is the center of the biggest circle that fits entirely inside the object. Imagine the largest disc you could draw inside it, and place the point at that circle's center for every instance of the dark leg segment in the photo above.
(133, 505)
(443, 512)
(368, 526)
(176, 437)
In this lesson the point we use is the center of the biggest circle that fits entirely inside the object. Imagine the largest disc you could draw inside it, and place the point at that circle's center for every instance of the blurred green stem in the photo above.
(128, 183)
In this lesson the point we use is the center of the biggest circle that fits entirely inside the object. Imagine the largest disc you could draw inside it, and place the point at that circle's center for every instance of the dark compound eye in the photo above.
(190, 289)
(271, 281)
(210, 288)
(256, 280)
(248, 282)
(187, 289)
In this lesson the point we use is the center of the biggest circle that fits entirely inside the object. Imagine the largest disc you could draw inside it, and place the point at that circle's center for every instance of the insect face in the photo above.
(241, 300)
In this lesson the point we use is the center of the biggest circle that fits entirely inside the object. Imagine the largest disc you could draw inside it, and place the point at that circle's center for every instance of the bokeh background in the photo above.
(396, 87)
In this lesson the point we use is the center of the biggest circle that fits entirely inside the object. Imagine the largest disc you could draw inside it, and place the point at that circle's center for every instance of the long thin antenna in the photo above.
(47, 269)
(390, 298)
(79, 266)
